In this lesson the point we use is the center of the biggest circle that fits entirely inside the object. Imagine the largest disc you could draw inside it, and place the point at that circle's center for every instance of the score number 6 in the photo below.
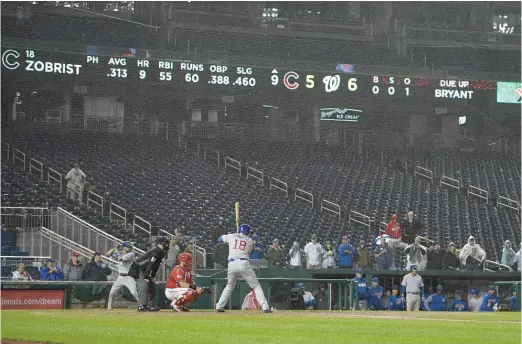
(352, 84)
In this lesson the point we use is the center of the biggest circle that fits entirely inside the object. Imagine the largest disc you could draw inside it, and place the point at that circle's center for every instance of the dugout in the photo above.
(277, 282)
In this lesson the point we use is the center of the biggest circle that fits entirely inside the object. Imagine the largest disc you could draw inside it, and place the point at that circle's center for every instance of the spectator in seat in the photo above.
(508, 255)
(197, 256)
(51, 272)
(96, 270)
(220, 255)
(72, 270)
(384, 256)
(172, 254)
(347, 254)
(329, 256)
(417, 255)
(472, 255)
(410, 227)
(393, 229)
(275, 255)
(313, 253)
(219, 230)
(20, 274)
(363, 255)
(435, 257)
(518, 258)
(75, 183)
(295, 256)
(258, 250)
(451, 259)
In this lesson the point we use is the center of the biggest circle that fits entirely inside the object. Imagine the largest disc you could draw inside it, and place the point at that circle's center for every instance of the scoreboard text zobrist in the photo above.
(19, 62)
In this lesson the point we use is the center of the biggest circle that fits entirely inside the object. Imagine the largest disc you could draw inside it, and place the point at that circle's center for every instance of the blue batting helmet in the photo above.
(413, 267)
(358, 271)
(375, 279)
(245, 229)
(220, 239)
(475, 291)
(300, 286)
(255, 237)
(126, 244)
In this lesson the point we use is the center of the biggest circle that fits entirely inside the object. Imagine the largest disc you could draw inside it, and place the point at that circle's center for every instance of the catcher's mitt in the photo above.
(206, 290)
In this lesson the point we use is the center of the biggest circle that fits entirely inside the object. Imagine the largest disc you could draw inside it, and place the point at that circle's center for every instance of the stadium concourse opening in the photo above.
(188, 159)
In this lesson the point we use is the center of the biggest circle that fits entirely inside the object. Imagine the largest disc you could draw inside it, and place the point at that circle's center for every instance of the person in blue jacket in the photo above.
(347, 254)
(51, 272)
(258, 251)
(362, 285)
(375, 297)
(459, 304)
(395, 302)
(513, 304)
(437, 302)
(490, 300)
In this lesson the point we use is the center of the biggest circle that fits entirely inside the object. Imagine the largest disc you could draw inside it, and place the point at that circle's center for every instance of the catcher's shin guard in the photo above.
(189, 296)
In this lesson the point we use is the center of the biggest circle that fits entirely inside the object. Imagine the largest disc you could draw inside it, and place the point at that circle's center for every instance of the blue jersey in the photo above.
(257, 251)
(375, 298)
(488, 301)
(459, 306)
(395, 303)
(362, 287)
(513, 305)
(436, 302)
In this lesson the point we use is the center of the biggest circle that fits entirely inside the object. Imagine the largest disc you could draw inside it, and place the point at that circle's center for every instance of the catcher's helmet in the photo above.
(245, 229)
(413, 267)
(185, 258)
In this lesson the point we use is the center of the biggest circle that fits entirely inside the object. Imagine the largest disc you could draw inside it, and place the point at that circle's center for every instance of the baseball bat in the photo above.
(237, 217)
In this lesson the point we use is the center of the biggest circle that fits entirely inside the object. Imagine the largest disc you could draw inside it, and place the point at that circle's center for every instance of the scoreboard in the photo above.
(26, 62)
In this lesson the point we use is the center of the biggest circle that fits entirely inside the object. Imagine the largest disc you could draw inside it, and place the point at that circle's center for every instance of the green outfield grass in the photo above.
(126, 326)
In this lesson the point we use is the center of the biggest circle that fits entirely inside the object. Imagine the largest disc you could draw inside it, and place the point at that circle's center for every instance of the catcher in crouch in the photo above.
(180, 287)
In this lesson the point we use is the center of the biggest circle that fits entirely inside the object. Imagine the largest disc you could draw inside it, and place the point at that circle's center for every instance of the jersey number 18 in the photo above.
(242, 245)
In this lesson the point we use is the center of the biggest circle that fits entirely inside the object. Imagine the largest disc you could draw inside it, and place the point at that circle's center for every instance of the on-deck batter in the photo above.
(240, 246)
(125, 260)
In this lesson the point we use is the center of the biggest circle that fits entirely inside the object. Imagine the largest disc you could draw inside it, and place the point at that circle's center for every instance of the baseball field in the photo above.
(129, 326)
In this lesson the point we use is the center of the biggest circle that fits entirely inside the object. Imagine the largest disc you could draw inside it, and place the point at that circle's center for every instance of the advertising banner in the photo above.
(509, 92)
(32, 299)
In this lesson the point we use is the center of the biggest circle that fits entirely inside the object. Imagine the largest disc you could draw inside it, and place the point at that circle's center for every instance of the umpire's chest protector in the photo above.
(133, 270)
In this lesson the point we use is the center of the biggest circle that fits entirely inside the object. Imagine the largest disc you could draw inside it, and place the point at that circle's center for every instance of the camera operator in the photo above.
(300, 299)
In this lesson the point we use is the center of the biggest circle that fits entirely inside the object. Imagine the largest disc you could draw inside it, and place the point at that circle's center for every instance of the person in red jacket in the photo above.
(393, 229)
(180, 287)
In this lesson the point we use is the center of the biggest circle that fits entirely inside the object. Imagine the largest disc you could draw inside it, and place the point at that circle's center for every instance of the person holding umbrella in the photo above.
(384, 255)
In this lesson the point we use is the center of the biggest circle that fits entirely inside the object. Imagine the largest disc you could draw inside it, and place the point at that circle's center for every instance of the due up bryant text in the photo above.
(453, 89)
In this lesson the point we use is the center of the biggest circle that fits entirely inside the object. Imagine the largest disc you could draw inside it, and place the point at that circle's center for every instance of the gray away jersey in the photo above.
(239, 245)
